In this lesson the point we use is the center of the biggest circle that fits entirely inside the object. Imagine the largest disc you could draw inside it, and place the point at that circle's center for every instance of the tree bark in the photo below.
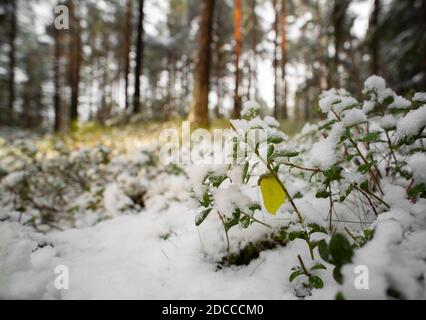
(252, 63)
(12, 58)
(284, 59)
(338, 19)
(56, 81)
(237, 49)
(374, 44)
(219, 58)
(275, 59)
(75, 47)
(139, 59)
(199, 107)
(127, 41)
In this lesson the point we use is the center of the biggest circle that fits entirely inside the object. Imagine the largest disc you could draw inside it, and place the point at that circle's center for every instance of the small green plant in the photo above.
(346, 159)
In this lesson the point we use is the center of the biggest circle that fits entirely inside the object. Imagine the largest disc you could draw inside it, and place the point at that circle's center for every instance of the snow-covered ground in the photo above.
(157, 254)
(96, 222)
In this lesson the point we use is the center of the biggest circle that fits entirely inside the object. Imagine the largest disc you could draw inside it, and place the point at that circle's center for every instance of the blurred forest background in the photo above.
(146, 60)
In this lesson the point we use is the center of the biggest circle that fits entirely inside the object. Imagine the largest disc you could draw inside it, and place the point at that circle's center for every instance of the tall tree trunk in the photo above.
(12, 58)
(254, 41)
(74, 61)
(56, 81)
(127, 41)
(338, 19)
(200, 101)
(375, 41)
(219, 57)
(275, 59)
(238, 42)
(284, 58)
(139, 59)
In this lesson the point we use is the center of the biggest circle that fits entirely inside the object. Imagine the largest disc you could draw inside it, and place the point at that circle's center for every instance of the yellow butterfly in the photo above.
(272, 193)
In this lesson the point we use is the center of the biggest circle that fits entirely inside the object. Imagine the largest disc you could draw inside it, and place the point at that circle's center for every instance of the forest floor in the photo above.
(154, 253)
(132, 233)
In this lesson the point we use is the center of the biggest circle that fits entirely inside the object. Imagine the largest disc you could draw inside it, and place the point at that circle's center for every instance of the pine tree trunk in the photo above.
(127, 41)
(219, 58)
(338, 18)
(199, 107)
(275, 59)
(375, 45)
(253, 64)
(12, 58)
(56, 81)
(284, 58)
(237, 39)
(139, 59)
(75, 48)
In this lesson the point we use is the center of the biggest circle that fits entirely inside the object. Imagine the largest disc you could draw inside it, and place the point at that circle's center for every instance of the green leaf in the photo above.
(316, 228)
(245, 222)
(364, 168)
(245, 171)
(337, 274)
(416, 190)
(284, 154)
(368, 234)
(282, 235)
(323, 251)
(318, 266)
(255, 206)
(202, 216)
(388, 100)
(340, 249)
(327, 125)
(275, 139)
(217, 180)
(298, 195)
(295, 274)
(296, 235)
(271, 150)
(206, 201)
(316, 282)
(340, 296)
(322, 194)
(333, 174)
(364, 186)
(370, 137)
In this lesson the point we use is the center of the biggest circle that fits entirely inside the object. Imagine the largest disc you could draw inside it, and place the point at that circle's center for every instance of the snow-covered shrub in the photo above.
(41, 186)
(341, 178)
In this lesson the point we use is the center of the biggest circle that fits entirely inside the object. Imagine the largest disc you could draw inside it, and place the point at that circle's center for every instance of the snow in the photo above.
(386, 94)
(326, 103)
(141, 242)
(417, 164)
(420, 97)
(26, 269)
(228, 199)
(323, 153)
(250, 108)
(400, 103)
(388, 122)
(368, 106)
(375, 83)
(412, 123)
(122, 258)
(353, 117)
